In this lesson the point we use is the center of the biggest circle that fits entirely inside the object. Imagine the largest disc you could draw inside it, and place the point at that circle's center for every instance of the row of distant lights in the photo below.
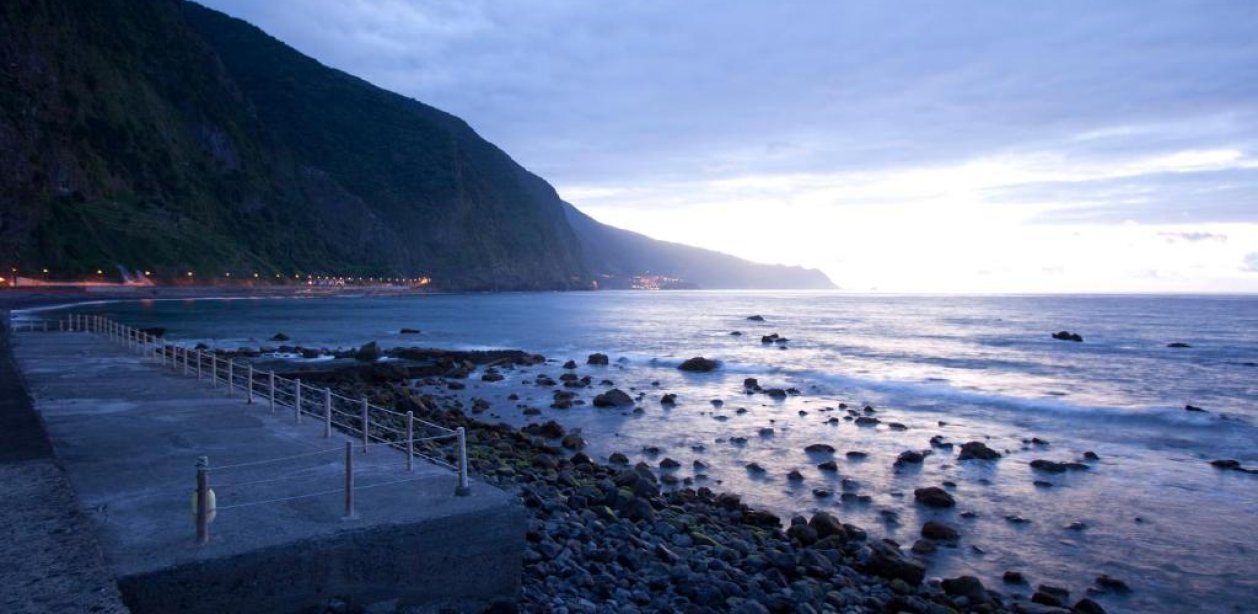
(418, 280)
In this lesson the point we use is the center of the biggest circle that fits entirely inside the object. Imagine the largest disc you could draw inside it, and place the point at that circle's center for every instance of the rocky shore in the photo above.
(610, 536)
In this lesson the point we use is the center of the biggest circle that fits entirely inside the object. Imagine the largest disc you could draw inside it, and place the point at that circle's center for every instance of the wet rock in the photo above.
(828, 466)
(909, 457)
(571, 364)
(751, 383)
(1013, 577)
(966, 586)
(699, 364)
(572, 441)
(279, 337)
(1067, 336)
(1087, 606)
(369, 352)
(866, 421)
(933, 496)
(777, 394)
(1194, 408)
(819, 448)
(755, 318)
(617, 458)
(669, 463)
(795, 476)
(717, 403)
(1090, 455)
(1049, 595)
(857, 455)
(613, 398)
(668, 399)
(755, 468)
(939, 531)
(1112, 584)
(826, 525)
(822, 493)
(736, 333)
(597, 359)
(923, 547)
(409, 331)
(1178, 344)
(1048, 466)
(977, 450)
(885, 561)
(549, 429)
(897, 426)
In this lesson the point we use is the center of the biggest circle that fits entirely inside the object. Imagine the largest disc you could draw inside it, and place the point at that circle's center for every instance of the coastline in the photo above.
(606, 534)
(1031, 536)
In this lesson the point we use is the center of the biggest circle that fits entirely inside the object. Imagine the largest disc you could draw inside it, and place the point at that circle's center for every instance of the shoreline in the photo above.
(655, 525)
(1018, 526)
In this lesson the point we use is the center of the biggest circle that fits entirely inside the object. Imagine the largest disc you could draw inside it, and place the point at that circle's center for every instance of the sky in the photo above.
(897, 146)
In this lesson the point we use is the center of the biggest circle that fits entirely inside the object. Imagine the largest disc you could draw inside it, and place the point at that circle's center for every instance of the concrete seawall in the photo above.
(129, 432)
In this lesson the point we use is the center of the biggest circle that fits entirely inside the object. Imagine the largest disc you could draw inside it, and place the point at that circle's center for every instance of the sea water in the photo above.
(1153, 512)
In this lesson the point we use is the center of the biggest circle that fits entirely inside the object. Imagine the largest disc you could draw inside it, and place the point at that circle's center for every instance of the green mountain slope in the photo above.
(161, 135)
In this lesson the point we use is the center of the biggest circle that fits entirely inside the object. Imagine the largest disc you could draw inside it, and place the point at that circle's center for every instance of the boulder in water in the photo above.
(977, 450)
(755, 318)
(1066, 335)
(934, 496)
(699, 364)
(369, 352)
(613, 398)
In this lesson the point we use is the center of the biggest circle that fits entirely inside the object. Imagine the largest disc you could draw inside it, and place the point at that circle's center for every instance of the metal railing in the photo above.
(371, 424)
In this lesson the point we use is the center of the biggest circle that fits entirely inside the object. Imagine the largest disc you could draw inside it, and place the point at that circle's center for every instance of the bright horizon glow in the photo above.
(909, 148)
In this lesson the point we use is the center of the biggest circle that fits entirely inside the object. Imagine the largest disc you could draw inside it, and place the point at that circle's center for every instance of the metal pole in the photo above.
(199, 360)
(349, 482)
(327, 412)
(213, 370)
(366, 425)
(297, 398)
(271, 389)
(249, 386)
(230, 368)
(203, 501)
(410, 441)
(462, 490)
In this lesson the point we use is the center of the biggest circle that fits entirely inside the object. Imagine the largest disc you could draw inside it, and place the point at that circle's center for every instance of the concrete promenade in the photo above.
(49, 557)
(128, 434)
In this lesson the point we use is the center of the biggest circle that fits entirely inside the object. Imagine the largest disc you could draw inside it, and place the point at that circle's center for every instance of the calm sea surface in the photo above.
(1180, 532)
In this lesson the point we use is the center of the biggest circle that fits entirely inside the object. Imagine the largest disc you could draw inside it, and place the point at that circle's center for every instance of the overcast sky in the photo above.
(898, 146)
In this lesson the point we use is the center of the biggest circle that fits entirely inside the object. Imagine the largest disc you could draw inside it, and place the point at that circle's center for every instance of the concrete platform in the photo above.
(128, 434)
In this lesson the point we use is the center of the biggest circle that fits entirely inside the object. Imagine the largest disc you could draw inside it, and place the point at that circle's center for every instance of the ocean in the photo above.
(1151, 511)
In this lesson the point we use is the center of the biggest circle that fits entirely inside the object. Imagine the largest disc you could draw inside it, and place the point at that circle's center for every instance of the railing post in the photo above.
(203, 501)
(230, 369)
(270, 386)
(200, 369)
(297, 398)
(213, 370)
(410, 441)
(462, 490)
(349, 483)
(187, 368)
(366, 425)
(327, 412)
(249, 386)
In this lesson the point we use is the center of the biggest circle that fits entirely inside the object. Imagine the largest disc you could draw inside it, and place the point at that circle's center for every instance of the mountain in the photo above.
(162, 135)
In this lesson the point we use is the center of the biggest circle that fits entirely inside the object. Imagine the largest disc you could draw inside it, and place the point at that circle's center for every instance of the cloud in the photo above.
(896, 122)
(1193, 237)
(1250, 264)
